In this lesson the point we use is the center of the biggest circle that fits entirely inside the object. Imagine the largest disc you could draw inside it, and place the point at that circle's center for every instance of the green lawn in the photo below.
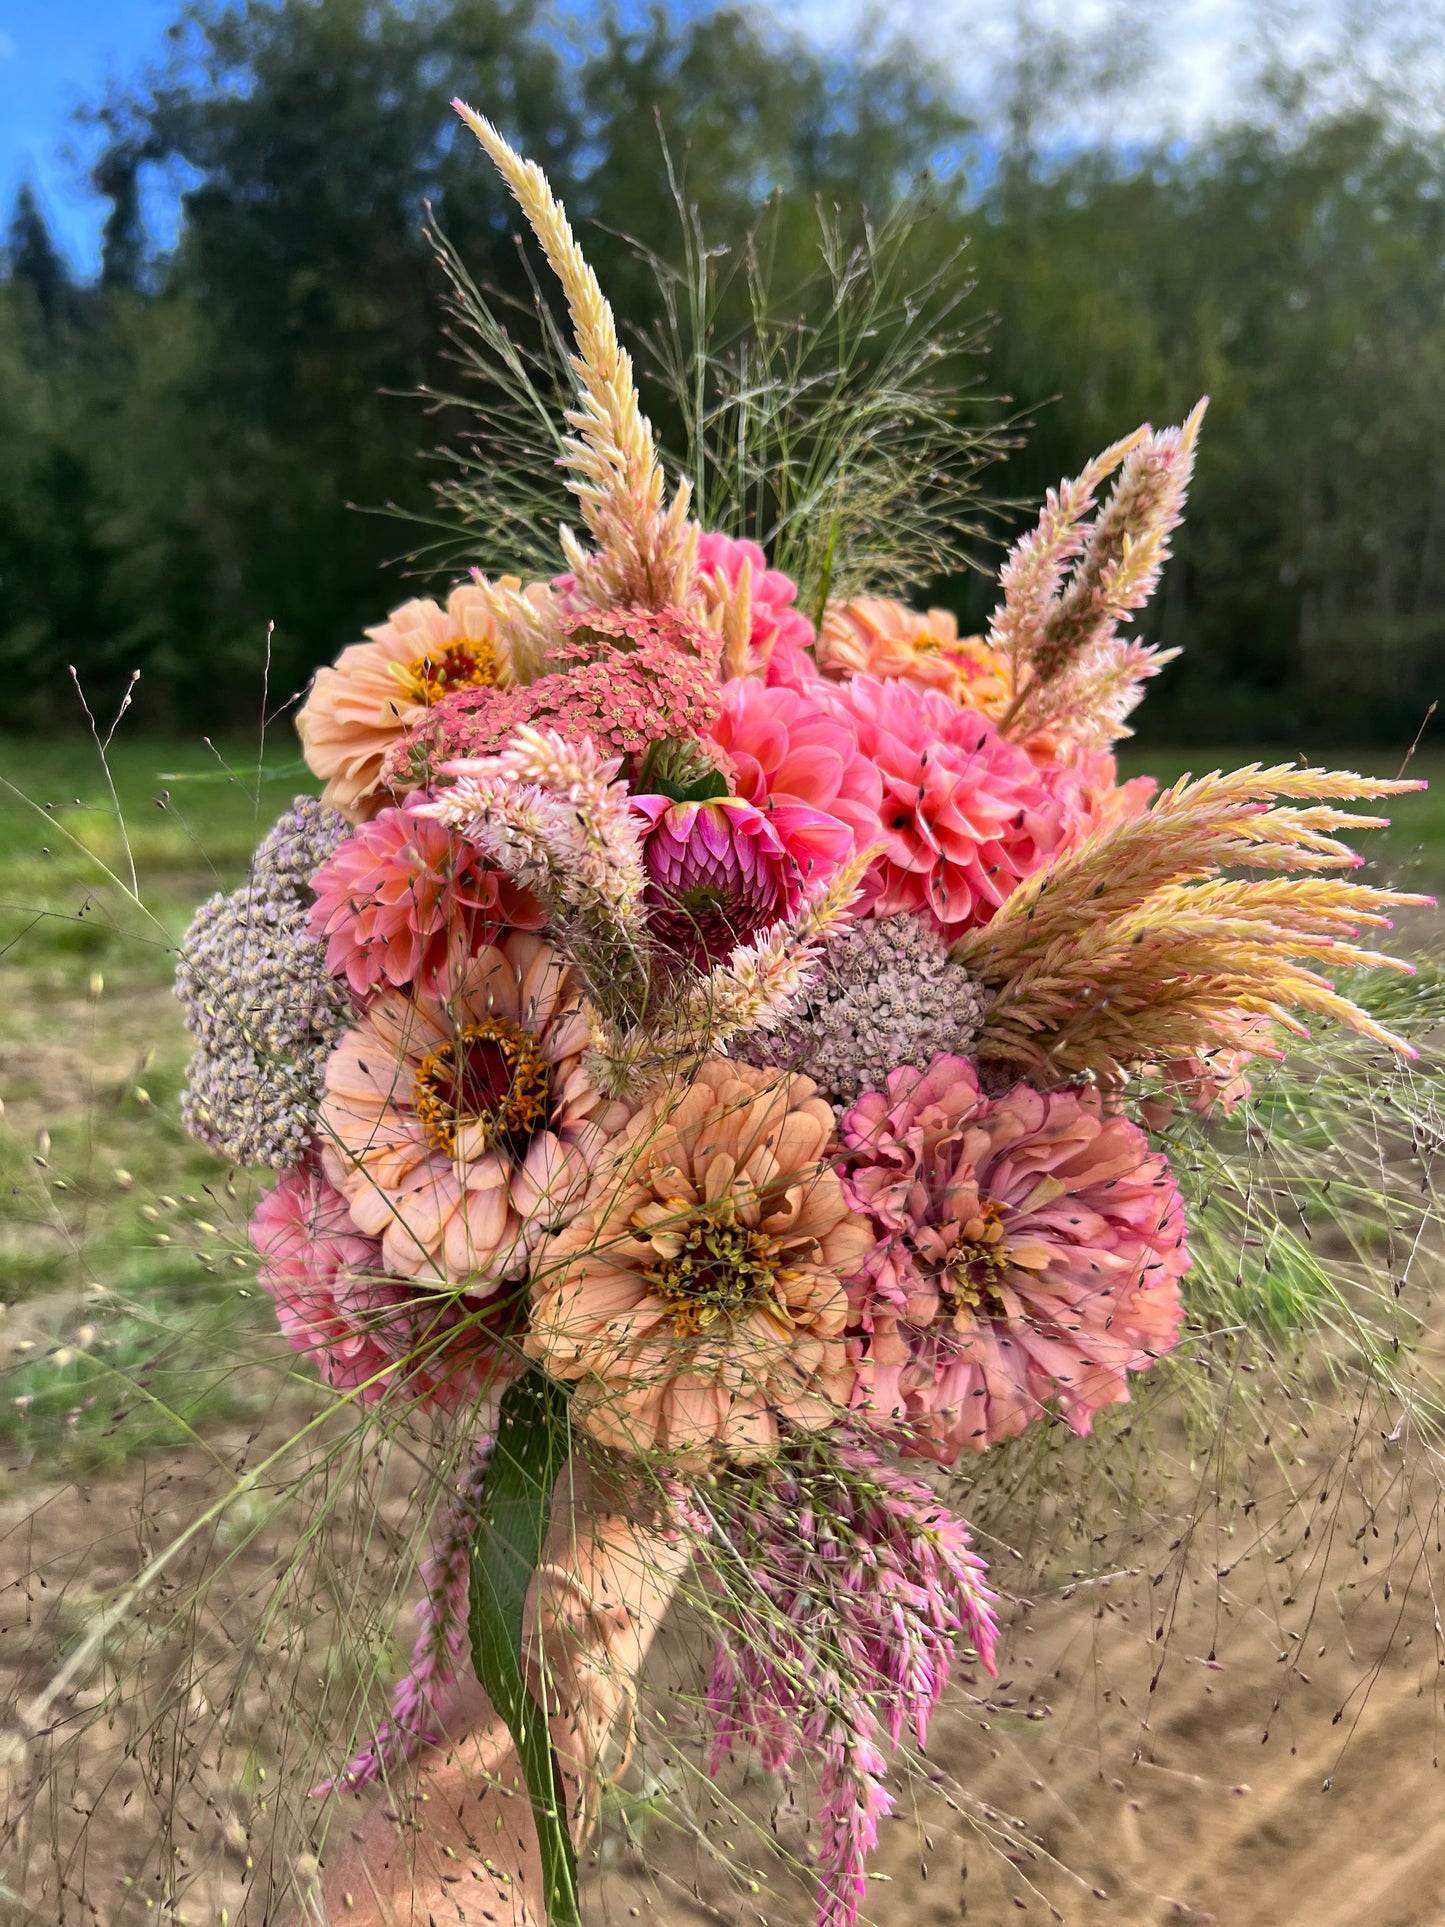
(123, 1260)
(122, 1250)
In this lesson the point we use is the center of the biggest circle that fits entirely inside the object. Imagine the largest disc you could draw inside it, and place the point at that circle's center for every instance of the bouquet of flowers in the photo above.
(717, 1049)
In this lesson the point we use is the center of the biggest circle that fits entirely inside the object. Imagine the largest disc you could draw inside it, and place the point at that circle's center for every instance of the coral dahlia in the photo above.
(381, 688)
(1028, 1252)
(795, 754)
(695, 1301)
(461, 1131)
(402, 893)
(716, 873)
(965, 816)
(363, 1331)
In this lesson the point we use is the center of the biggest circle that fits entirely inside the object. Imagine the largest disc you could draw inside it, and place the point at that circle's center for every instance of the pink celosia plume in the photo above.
(903, 1590)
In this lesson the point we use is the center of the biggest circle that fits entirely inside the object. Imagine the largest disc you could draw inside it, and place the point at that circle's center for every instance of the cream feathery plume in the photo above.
(1072, 672)
(1134, 949)
(646, 549)
(550, 813)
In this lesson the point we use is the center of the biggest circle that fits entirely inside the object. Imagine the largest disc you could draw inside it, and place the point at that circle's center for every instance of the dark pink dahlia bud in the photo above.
(717, 872)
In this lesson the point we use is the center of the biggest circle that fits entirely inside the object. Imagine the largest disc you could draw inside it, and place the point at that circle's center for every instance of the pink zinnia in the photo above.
(781, 635)
(404, 894)
(965, 815)
(717, 872)
(794, 754)
(1029, 1251)
(461, 1131)
(363, 1331)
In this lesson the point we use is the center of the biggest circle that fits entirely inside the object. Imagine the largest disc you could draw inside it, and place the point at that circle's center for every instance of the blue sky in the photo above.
(56, 55)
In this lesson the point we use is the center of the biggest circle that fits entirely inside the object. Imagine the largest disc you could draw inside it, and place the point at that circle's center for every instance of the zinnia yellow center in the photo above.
(977, 1259)
(491, 1076)
(712, 1267)
(459, 665)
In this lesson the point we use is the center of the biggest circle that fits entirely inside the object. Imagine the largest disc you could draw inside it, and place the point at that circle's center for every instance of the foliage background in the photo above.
(187, 435)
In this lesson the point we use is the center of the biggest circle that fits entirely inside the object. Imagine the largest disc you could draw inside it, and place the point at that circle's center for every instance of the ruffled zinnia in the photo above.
(402, 895)
(381, 688)
(462, 1131)
(874, 636)
(1028, 1253)
(965, 816)
(695, 1302)
(794, 753)
(365, 1332)
(780, 636)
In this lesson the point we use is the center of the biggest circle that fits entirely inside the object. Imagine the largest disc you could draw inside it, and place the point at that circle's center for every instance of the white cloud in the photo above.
(1197, 58)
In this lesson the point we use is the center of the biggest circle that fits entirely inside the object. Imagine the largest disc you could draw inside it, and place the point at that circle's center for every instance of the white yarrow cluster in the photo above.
(260, 1002)
(884, 994)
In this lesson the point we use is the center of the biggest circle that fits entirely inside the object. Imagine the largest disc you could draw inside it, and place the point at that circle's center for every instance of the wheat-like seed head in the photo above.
(645, 549)
(1133, 948)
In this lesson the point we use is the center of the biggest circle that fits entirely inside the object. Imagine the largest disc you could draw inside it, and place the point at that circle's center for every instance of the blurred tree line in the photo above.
(185, 436)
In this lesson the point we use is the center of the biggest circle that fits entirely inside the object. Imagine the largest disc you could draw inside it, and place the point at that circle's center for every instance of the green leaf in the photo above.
(513, 1512)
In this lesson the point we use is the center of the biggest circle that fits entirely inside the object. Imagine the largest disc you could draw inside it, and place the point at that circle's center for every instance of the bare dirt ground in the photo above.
(1244, 1729)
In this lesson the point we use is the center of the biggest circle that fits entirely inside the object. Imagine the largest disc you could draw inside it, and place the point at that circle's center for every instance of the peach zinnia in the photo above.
(383, 687)
(696, 1301)
(462, 1131)
(874, 636)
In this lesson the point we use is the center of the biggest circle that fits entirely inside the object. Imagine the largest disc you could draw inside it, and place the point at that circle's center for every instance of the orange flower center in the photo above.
(712, 1268)
(977, 1259)
(491, 1076)
(457, 665)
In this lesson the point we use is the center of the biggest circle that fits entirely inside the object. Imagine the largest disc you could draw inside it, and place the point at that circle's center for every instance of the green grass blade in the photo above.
(513, 1513)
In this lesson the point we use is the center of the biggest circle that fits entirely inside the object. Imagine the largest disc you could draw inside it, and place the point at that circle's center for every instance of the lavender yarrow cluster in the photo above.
(844, 1591)
(441, 1641)
(884, 994)
(259, 1001)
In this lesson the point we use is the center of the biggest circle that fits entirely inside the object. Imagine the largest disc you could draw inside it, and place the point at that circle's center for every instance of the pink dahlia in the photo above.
(404, 893)
(716, 873)
(461, 1131)
(795, 754)
(965, 816)
(781, 635)
(363, 1331)
(1028, 1252)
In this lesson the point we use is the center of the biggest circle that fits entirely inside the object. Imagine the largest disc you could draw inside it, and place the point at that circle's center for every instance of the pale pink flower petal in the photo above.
(1028, 1251)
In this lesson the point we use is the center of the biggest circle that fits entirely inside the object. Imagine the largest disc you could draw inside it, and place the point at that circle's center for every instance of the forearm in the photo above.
(456, 1840)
